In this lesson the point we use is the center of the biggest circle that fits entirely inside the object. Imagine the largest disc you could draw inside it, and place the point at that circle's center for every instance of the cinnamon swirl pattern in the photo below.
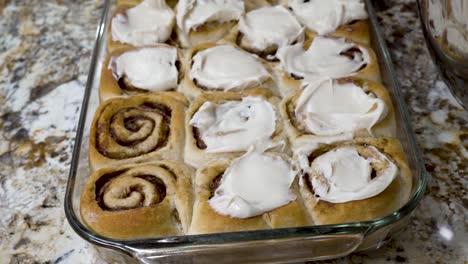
(356, 180)
(137, 129)
(139, 201)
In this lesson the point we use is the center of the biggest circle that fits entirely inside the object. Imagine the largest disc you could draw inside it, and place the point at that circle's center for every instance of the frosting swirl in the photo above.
(149, 22)
(152, 69)
(270, 26)
(226, 67)
(328, 108)
(343, 175)
(326, 57)
(254, 184)
(325, 17)
(235, 125)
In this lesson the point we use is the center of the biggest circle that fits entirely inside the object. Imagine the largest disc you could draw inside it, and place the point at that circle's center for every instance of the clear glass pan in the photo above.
(272, 246)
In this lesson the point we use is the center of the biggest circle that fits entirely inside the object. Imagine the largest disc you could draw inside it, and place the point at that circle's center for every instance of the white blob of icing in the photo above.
(226, 67)
(322, 59)
(328, 108)
(149, 22)
(346, 176)
(152, 69)
(325, 16)
(235, 125)
(254, 184)
(269, 26)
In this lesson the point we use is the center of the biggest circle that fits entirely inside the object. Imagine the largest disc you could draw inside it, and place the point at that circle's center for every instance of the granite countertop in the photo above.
(45, 52)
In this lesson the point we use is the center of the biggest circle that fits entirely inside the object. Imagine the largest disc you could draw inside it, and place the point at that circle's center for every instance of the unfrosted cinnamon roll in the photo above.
(328, 111)
(212, 68)
(352, 181)
(333, 18)
(255, 191)
(140, 23)
(139, 201)
(321, 57)
(138, 128)
(226, 125)
(131, 70)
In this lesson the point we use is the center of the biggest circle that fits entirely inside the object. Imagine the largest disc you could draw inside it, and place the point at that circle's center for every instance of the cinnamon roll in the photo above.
(262, 31)
(140, 23)
(206, 21)
(323, 57)
(335, 18)
(354, 181)
(226, 125)
(139, 201)
(138, 128)
(255, 191)
(330, 110)
(131, 70)
(212, 67)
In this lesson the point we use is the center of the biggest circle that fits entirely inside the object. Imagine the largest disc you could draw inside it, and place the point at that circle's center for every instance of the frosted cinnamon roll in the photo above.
(138, 128)
(327, 111)
(140, 23)
(255, 191)
(354, 181)
(335, 18)
(326, 58)
(139, 201)
(130, 70)
(211, 67)
(262, 31)
(226, 125)
(202, 21)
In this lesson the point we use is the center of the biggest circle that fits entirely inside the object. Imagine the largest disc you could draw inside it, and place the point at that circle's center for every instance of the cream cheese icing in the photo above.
(342, 175)
(194, 13)
(328, 108)
(235, 125)
(268, 26)
(153, 69)
(149, 22)
(325, 17)
(226, 67)
(254, 184)
(324, 58)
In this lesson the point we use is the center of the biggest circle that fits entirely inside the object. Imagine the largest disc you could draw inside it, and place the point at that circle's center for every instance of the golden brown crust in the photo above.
(109, 87)
(370, 71)
(169, 215)
(357, 31)
(191, 89)
(297, 133)
(388, 201)
(194, 151)
(206, 220)
(138, 128)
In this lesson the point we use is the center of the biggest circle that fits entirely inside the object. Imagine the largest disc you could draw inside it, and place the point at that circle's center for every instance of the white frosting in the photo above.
(268, 26)
(346, 176)
(325, 16)
(235, 125)
(254, 184)
(152, 69)
(194, 13)
(226, 67)
(328, 108)
(149, 22)
(322, 59)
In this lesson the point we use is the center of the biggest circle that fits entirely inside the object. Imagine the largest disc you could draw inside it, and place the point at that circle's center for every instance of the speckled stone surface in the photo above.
(45, 52)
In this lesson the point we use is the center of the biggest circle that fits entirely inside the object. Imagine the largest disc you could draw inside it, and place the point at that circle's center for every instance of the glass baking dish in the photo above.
(272, 246)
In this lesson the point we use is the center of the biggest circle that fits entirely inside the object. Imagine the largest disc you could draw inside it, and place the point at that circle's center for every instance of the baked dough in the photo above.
(139, 201)
(138, 128)
(298, 133)
(196, 156)
(388, 201)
